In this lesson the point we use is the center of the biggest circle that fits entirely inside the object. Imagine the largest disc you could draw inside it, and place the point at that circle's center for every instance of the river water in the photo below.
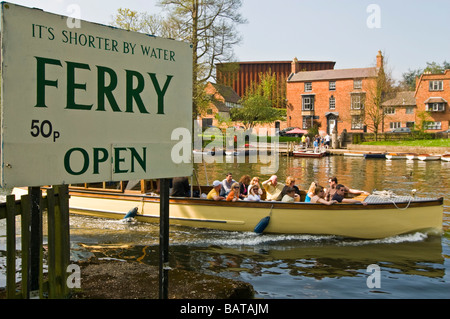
(295, 266)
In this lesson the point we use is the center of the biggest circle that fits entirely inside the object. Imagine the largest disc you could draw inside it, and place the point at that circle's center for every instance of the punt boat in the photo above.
(380, 218)
(428, 157)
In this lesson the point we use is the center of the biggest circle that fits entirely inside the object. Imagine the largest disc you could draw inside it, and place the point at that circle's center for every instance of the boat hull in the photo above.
(308, 154)
(346, 220)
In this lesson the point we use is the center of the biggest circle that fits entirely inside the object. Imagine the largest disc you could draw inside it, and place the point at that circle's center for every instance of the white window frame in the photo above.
(357, 83)
(436, 85)
(389, 110)
(357, 101)
(393, 125)
(433, 126)
(409, 110)
(357, 122)
(332, 85)
(332, 103)
(308, 103)
(308, 86)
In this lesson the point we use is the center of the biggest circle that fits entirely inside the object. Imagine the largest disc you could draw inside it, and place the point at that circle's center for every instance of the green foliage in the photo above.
(256, 109)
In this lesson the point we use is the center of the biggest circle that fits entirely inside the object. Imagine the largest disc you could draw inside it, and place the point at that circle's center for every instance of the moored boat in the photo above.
(375, 155)
(355, 154)
(428, 157)
(380, 218)
(392, 156)
(309, 154)
(412, 156)
(445, 157)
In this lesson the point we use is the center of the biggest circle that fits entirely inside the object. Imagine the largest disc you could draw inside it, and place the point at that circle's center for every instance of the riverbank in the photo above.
(113, 279)
(109, 279)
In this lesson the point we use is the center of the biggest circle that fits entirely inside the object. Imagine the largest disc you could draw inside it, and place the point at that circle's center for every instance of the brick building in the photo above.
(241, 75)
(330, 98)
(400, 111)
(221, 99)
(433, 95)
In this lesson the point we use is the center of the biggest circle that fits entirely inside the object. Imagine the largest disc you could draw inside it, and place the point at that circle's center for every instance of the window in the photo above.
(308, 103)
(332, 102)
(389, 110)
(357, 101)
(357, 123)
(332, 85)
(433, 126)
(410, 125)
(393, 125)
(436, 107)
(409, 110)
(436, 85)
(308, 86)
(209, 111)
(357, 84)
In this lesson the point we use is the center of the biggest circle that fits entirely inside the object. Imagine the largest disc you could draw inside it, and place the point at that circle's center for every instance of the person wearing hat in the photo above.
(215, 192)
(273, 188)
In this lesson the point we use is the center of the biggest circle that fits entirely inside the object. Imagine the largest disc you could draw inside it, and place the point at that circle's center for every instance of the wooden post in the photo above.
(10, 246)
(164, 239)
(26, 245)
(36, 237)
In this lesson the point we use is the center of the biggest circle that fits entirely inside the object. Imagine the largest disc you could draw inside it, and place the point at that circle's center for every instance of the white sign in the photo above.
(89, 103)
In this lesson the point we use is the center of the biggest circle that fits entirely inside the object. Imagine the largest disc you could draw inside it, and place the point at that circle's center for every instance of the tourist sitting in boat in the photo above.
(311, 192)
(333, 183)
(180, 187)
(290, 183)
(290, 195)
(214, 194)
(255, 181)
(227, 183)
(273, 188)
(319, 197)
(234, 194)
(244, 183)
(254, 193)
(339, 196)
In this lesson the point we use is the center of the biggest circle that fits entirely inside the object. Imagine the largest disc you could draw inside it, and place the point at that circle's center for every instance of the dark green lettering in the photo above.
(134, 93)
(97, 158)
(72, 86)
(141, 160)
(41, 81)
(160, 92)
(67, 161)
(104, 90)
(118, 160)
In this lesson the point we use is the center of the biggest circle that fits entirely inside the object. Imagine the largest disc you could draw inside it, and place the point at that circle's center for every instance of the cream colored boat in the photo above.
(379, 219)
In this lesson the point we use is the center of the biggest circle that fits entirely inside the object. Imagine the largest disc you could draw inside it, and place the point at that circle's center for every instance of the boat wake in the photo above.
(249, 239)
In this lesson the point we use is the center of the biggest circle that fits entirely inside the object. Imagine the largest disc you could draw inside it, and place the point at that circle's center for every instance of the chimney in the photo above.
(379, 60)
(295, 66)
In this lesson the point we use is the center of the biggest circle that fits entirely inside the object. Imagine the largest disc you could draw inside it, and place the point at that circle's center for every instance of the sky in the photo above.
(349, 32)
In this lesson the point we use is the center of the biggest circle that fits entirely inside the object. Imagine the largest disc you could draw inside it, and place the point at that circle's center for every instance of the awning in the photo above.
(297, 131)
(435, 100)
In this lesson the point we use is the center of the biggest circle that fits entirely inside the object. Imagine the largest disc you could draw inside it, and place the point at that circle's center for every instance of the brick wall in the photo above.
(423, 93)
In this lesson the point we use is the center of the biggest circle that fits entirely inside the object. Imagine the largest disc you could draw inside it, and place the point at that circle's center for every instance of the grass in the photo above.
(423, 143)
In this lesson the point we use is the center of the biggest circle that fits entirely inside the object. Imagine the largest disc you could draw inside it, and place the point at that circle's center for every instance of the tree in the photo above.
(256, 109)
(381, 89)
(269, 87)
(209, 25)
(409, 77)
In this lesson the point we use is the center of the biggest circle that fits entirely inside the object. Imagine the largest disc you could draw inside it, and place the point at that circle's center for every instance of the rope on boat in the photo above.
(390, 196)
